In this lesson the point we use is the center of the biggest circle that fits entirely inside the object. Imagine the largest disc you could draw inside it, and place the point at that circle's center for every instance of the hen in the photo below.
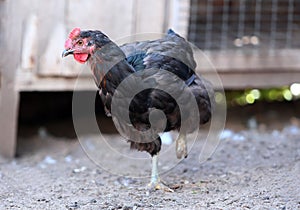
(141, 78)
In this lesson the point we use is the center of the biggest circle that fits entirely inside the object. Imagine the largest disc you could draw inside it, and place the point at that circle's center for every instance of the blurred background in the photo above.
(254, 46)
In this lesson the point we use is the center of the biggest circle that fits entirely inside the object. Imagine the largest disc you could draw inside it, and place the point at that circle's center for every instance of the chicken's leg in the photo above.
(156, 183)
(154, 171)
(181, 146)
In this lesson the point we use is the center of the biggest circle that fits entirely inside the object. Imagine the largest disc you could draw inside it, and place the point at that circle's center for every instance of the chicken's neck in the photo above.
(108, 65)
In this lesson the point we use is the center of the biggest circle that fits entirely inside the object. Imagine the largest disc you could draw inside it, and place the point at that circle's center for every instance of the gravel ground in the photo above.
(254, 167)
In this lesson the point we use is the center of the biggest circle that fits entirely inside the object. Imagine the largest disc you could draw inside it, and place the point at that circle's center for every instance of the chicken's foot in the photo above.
(156, 183)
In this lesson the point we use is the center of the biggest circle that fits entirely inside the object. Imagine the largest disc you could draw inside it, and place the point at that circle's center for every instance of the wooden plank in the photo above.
(113, 17)
(255, 61)
(149, 16)
(9, 97)
(37, 83)
(52, 36)
(8, 119)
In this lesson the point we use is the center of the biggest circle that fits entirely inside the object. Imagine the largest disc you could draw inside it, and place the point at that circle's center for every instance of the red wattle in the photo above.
(81, 57)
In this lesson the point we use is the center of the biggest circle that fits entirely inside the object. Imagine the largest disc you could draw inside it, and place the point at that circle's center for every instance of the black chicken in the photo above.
(158, 66)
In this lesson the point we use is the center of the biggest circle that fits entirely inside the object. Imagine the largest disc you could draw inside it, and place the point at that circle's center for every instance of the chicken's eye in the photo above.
(80, 42)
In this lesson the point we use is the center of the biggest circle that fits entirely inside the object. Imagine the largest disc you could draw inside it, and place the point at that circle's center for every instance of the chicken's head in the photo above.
(82, 44)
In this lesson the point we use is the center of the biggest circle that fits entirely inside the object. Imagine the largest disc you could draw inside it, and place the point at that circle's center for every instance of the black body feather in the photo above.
(111, 64)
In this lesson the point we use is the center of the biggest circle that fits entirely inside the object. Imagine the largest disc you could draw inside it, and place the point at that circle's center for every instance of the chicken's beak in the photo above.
(67, 52)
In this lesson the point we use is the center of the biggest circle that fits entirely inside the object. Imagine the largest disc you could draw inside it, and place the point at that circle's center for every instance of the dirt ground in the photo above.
(256, 166)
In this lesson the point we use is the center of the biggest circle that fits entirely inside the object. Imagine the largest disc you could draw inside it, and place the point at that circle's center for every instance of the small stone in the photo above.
(49, 160)
(78, 170)
(195, 169)
(223, 176)
(252, 123)
(68, 158)
(125, 181)
(127, 208)
(43, 133)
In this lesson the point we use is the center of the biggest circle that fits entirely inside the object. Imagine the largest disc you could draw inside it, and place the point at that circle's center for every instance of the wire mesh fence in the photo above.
(257, 24)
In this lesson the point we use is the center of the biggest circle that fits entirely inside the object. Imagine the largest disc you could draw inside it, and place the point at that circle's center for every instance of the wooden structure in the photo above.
(32, 35)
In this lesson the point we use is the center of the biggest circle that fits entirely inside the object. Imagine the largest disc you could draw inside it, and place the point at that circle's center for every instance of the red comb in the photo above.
(74, 33)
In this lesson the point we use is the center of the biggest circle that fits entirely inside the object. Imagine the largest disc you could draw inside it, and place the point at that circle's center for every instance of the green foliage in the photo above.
(250, 96)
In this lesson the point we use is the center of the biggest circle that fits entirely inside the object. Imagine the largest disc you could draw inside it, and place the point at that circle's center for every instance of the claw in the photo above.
(181, 146)
(159, 185)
